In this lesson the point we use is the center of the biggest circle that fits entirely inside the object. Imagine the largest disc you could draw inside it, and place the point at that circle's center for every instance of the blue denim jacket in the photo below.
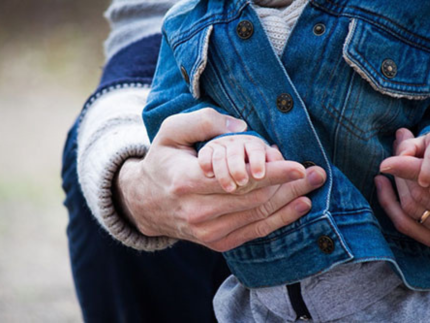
(334, 98)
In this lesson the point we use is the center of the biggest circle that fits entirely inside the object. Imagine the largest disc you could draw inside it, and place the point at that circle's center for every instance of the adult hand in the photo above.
(411, 168)
(167, 194)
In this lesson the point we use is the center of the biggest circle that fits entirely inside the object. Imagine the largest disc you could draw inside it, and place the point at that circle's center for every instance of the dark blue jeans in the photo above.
(118, 284)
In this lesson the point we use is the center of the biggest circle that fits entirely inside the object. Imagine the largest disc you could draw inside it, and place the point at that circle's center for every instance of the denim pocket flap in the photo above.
(393, 66)
(191, 56)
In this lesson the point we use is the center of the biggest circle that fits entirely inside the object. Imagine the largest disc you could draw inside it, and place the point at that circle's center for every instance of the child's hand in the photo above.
(411, 168)
(226, 159)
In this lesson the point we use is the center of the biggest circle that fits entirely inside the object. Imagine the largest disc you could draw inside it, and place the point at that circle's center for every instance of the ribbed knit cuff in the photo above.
(111, 132)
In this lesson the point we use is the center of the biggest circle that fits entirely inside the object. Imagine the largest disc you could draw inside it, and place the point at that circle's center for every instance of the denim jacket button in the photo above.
(245, 29)
(185, 75)
(307, 164)
(326, 244)
(285, 103)
(389, 68)
(319, 29)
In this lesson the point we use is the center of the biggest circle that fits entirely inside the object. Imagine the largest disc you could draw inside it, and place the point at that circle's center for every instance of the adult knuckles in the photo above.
(202, 234)
(265, 210)
(195, 213)
(262, 229)
(180, 186)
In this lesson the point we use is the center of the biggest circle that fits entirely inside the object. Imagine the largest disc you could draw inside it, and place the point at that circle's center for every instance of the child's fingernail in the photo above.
(259, 174)
(302, 207)
(210, 174)
(423, 183)
(242, 182)
(230, 188)
(236, 125)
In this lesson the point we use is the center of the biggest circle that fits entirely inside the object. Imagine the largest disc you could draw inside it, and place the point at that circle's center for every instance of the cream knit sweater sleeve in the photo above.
(112, 130)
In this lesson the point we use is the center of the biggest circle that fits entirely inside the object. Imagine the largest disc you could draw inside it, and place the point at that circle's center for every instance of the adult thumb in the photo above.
(189, 128)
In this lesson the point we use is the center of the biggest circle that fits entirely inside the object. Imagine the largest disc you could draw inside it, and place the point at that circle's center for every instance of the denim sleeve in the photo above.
(170, 95)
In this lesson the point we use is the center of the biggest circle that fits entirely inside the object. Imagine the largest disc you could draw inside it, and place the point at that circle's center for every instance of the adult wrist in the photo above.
(118, 190)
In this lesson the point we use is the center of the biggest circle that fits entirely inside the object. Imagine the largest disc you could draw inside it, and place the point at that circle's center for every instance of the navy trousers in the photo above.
(118, 284)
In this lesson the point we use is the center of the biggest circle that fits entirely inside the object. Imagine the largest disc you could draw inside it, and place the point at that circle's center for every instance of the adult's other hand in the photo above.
(167, 194)
(410, 168)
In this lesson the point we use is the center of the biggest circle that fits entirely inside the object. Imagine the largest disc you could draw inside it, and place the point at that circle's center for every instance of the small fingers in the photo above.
(256, 152)
(220, 168)
(205, 160)
(236, 163)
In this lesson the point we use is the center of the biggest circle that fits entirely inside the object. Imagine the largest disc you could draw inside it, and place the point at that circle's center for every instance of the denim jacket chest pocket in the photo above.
(389, 84)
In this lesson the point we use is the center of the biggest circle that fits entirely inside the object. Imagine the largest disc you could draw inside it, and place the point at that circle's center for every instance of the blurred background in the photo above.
(50, 61)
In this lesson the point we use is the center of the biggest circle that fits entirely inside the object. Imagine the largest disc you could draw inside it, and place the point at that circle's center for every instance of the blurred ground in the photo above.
(50, 61)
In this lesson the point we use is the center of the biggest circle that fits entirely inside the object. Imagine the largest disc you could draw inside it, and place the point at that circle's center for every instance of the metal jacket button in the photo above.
(319, 29)
(307, 164)
(326, 244)
(285, 103)
(245, 29)
(185, 74)
(389, 68)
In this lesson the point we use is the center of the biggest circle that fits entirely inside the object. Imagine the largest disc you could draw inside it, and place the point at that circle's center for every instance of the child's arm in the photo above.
(225, 159)
(171, 95)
